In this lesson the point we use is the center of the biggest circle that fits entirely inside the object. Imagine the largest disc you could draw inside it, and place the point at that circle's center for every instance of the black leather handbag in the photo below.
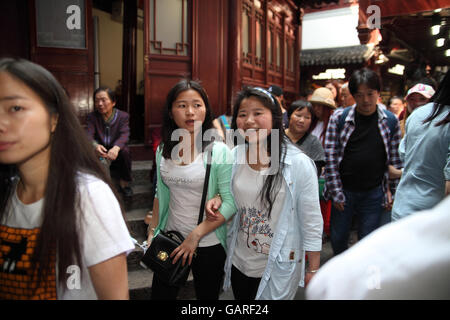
(157, 257)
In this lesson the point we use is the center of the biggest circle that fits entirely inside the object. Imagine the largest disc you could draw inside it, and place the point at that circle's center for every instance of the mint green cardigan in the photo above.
(219, 182)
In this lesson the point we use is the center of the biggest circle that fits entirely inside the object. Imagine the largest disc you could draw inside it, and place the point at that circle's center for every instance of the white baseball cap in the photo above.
(424, 89)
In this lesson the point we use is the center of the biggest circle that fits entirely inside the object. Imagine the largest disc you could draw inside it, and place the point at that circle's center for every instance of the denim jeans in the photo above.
(367, 205)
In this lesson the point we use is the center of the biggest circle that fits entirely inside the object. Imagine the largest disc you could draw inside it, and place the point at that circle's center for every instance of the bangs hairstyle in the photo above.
(169, 125)
(300, 105)
(267, 99)
(364, 76)
(272, 182)
(71, 153)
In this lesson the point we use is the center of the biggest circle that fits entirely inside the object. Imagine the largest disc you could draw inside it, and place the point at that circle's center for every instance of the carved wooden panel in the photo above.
(169, 27)
(270, 45)
(210, 54)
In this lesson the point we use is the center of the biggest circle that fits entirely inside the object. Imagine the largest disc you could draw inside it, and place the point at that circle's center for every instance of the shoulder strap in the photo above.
(342, 118)
(391, 121)
(205, 185)
(225, 121)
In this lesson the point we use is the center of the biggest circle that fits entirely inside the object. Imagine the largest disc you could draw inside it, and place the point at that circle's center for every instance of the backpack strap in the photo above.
(342, 118)
(391, 120)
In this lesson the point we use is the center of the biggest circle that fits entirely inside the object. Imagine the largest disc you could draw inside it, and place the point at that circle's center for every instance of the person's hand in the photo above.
(389, 203)
(212, 208)
(150, 234)
(186, 250)
(101, 151)
(113, 153)
(339, 205)
(308, 277)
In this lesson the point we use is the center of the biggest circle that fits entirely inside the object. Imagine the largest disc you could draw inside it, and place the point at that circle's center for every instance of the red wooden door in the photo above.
(198, 51)
(61, 40)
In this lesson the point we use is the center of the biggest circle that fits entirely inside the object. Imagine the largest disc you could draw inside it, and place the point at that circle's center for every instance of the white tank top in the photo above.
(186, 187)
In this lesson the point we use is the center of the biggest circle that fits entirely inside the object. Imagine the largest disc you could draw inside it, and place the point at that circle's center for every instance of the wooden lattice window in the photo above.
(169, 27)
(259, 39)
(289, 63)
(246, 32)
(279, 37)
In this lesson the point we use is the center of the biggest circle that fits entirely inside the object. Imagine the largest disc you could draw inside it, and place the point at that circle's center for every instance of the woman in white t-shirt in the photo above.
(181, 167)
(62, 233)
(278, 217)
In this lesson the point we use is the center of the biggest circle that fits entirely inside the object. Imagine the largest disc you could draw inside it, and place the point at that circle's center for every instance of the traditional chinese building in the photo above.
(415, 39)
(142, 48)
(397, 38)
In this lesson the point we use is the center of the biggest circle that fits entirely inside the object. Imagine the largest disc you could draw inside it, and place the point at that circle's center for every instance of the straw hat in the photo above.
(323, 96)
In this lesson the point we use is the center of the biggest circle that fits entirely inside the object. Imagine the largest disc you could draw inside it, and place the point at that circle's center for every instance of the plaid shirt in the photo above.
(335, 143)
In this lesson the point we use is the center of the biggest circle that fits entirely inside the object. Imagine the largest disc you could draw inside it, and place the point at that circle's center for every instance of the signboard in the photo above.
(330, 74)
(398, 69)
(61, 24)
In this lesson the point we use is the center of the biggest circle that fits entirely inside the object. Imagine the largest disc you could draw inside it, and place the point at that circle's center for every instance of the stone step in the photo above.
(134, 259)
(142, 197)
(135, 222)
(140, 172)
(138, 230)
(140, 283)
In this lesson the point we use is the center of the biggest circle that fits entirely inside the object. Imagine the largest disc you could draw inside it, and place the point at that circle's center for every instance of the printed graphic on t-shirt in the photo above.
(255, 224)
(17, 280)
(179, 181)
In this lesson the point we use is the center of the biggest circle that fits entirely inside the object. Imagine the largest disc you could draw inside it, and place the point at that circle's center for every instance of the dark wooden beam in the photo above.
(129, 60)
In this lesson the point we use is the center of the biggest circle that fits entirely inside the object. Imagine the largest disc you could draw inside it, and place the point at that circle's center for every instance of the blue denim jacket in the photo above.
(299, 228)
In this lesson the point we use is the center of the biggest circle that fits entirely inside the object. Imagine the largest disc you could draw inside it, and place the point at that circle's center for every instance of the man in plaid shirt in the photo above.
(361, 141)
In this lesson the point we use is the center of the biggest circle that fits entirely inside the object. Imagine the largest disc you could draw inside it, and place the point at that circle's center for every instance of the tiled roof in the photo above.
(334, 56)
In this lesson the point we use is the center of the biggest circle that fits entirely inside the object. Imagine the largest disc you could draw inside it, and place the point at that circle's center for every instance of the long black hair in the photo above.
(441, 101)
(169, 125)
(71, 153)
(272, 182)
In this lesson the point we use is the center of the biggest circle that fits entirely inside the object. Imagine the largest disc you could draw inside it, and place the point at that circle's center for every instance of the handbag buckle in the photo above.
(162, 255)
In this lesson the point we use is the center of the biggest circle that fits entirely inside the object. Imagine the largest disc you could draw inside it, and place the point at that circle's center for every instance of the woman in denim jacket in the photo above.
(278, 218)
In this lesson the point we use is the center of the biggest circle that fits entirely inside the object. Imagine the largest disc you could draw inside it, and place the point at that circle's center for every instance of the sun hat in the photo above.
(323, 96)
(424, 89)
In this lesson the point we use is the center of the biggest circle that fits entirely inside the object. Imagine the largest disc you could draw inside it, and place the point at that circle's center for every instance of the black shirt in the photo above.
(364, 161)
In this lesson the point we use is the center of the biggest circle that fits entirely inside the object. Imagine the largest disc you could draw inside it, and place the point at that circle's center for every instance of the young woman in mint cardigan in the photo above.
(181, 167)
